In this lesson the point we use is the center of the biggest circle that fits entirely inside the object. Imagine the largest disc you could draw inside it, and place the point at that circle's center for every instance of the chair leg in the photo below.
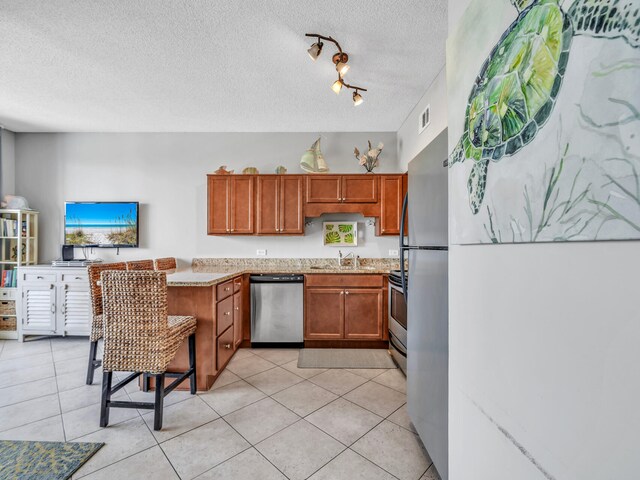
(107, 378)
(159, 403)
(146, 382)
(192, 364)
(93, 350)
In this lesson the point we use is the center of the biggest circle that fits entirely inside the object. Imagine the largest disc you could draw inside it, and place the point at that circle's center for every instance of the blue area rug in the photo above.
(43, 460)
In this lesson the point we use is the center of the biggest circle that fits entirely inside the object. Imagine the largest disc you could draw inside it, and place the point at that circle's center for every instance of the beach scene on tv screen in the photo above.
(101, 224)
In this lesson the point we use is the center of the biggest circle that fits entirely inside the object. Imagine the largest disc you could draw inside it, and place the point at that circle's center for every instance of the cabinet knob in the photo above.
(237, 308)
(39, 277)
(226, 289)
(227, 346)
(342, 292)
(227, 313)
(347, 292)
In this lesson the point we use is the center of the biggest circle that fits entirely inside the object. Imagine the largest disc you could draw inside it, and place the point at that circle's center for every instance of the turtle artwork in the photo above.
(515, 92)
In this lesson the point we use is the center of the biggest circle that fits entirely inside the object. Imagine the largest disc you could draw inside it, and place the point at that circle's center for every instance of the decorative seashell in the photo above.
(250, 171)
(281, 170)
(223, 171)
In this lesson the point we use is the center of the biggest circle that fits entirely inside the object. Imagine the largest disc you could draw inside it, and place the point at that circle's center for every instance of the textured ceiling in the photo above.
(214, 66)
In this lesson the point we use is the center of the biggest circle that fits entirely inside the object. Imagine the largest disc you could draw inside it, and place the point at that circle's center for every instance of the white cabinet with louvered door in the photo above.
(53, 301)
(38, 312)
(74, 305)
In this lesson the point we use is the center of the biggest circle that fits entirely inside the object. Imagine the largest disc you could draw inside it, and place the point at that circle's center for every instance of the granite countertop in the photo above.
(211, 271)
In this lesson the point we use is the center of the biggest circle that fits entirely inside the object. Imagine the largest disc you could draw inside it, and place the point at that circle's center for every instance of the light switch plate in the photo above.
(261, 253)
(393, 253)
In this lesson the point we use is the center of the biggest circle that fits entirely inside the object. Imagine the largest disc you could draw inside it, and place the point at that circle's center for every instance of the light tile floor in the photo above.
(263, 419)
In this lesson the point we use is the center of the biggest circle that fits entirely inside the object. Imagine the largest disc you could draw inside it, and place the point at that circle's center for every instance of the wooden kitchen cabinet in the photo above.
(342, 189)
(279, 205)
(344, 307)
(363, 313)
(392, 191)
(324, 188)
(324, 313)
(359, 188)
(230, 205)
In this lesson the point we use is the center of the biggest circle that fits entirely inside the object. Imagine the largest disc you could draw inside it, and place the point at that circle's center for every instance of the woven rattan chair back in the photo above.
(168, 263)
(95, 290)
(135, 322)
(140, 265)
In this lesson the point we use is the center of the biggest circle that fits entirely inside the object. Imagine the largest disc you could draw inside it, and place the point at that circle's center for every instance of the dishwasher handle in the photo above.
(265, 278)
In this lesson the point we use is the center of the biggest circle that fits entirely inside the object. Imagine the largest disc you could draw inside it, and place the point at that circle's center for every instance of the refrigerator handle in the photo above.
(403, 245)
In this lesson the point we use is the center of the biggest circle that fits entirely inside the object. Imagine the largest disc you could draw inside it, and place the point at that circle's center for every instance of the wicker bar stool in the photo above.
(168, 263)
(140, 337)
(95, 290)
(139, 265)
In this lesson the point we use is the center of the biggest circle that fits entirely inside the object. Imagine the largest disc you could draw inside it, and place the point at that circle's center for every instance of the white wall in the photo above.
(166, 173)
(8, 167)
(410, 142)
(544, 380)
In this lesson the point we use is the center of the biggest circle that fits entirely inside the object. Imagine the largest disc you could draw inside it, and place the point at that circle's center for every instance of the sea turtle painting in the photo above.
(515, 92)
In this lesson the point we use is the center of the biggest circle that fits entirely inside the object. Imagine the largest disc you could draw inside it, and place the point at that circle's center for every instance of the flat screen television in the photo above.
(101, 224)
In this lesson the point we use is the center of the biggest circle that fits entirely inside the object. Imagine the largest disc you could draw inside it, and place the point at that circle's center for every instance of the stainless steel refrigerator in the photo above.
(427, 299)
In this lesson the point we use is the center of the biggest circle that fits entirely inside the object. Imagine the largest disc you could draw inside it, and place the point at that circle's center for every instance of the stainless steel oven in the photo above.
(397, 320)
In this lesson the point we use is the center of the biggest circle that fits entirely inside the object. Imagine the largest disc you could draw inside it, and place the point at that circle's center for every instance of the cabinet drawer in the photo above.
(39, 277)
(75, 277)
(345, 280)
(224, 290)
(237, 284)
(225, 347)
(7, 307)
(224, 314)
(7, 294)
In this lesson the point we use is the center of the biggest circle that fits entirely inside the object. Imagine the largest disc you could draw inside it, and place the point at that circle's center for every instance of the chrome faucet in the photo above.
(342, 258)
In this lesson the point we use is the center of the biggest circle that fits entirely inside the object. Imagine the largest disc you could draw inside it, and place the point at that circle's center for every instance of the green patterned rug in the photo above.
(43, 460)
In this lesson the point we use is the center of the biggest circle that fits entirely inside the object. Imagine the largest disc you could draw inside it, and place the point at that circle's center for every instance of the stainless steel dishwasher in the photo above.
(277, 312)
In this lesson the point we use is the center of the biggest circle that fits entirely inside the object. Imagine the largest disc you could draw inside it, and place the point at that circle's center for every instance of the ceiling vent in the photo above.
(425, 119)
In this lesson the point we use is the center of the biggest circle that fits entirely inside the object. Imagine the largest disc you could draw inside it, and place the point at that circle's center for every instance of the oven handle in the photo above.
(401, 350)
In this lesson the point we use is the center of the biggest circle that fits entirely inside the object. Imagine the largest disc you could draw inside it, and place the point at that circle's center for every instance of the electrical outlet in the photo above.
(261, 253)
(393, 253)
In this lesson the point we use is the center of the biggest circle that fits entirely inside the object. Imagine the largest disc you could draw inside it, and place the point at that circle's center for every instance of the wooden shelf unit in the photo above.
(18, 247)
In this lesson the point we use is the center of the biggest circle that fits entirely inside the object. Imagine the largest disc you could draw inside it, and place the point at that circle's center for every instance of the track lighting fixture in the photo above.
(315, 50)
(340, 60)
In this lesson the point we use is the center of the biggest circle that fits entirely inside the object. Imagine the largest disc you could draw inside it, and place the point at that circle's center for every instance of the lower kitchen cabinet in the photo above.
(324, 313)
(363, 313)
(344, 307)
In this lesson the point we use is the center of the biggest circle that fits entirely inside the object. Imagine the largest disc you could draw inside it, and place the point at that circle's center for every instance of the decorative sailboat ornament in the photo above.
(312, 161)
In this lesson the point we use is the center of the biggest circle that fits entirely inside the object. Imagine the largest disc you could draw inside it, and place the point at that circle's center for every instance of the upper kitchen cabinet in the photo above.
(230, 205)
(359, 189)
(392, 191)
(279, 205)
(324, 189)
(342, 189)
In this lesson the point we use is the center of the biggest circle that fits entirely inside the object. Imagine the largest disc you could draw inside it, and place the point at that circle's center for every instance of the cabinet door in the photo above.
(74, 309)
(363, 313)
(360, 188)
(324, 189)
(237, 318)
(291, 205)
(218, 205)
(38, 310)
(267, 203)
(324, 313)
(241, 211)
(391, 196)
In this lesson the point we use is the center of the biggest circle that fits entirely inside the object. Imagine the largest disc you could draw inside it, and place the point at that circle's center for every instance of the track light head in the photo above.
(315, 50)
(357, 99)
(337, 86)
(340, 59)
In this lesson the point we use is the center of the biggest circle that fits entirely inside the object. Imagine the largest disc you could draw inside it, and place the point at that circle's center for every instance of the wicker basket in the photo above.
(7, 324)
(8, 308)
